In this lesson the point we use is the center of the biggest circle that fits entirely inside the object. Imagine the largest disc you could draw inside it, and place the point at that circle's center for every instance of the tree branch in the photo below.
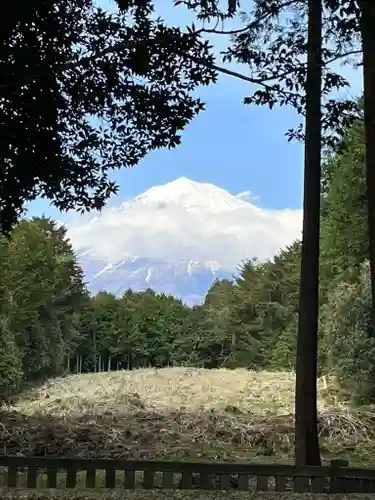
(250, 26)
(255, 81)
(229, 72)
(341, 56)
(214, 31)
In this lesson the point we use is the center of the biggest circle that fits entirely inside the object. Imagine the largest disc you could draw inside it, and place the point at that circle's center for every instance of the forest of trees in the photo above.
(51, 325)
(85, 90)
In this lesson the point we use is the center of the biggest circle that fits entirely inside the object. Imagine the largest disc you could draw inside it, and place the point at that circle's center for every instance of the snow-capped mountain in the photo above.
(178, 238)
(187, 280)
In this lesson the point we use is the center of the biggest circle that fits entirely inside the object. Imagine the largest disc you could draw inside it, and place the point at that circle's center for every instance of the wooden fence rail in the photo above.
(49, 472)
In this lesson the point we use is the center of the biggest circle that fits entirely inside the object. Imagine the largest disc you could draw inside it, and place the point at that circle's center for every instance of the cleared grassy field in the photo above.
(180, 414)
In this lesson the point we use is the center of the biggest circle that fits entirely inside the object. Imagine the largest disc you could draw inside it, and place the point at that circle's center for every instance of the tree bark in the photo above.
(306, 432)
(368, 46)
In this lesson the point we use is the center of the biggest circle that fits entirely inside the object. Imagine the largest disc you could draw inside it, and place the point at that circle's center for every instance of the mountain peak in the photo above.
(177, 238)
(191, 196)
(184, 181)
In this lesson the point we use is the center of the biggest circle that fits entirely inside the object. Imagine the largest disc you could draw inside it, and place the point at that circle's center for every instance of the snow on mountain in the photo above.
(177, 238)
(181, 279)
(191, 196)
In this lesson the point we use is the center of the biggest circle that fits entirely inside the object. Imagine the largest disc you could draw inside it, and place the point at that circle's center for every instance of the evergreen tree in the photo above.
(344, 231)
(45, 289)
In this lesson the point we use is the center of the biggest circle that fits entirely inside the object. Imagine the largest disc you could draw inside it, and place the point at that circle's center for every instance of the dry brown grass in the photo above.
(259, 393)
(174, 413)
(180, 414)
(170, 388)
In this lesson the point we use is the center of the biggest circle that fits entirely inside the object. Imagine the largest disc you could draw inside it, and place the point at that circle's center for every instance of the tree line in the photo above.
(51, 325)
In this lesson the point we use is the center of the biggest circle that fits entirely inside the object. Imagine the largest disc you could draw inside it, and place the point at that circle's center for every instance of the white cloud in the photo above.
(185, 220)
(247, 196)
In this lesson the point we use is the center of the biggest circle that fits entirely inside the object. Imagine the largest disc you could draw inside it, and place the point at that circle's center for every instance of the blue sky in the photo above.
(236, 147)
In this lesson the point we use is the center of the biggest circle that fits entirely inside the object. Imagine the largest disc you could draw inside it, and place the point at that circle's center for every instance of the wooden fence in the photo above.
(48, 472)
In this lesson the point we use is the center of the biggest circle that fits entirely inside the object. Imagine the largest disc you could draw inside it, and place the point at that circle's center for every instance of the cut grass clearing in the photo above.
(179, 414)
(178, 388)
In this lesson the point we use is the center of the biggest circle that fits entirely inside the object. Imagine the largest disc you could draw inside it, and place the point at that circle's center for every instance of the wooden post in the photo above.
(337, 484)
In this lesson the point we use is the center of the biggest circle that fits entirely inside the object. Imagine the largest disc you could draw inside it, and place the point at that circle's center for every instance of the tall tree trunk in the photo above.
(368, 46)
(306, 432)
